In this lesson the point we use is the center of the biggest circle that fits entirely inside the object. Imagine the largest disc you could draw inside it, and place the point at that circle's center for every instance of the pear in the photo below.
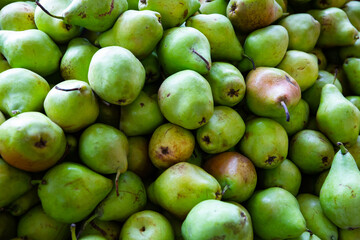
(180, 187)
(22, 91)
(110, 230)
(338, 70)
(213, 6)
(14, 183)
(350, 234)
(336, 29)
(221, 35)
(26, 201)
(173, 13)
(321, 59)
(355, 151)
(72, 105)
(351, 68)
(328, 3)
(2, 118)
(272, 138)
(235, 173)
(109, 114)
(339, 195)
(301, 66)
(35, 224)
(276, 214)
(287, 176)
(223, 131)
(311, 151)
(212, 219)
(57, 188)
(320, 181)
(138, 158)
(108, 78)
(299, 120)
(352, 10)
(276, 40)
(76, 60)
(95, 15)
(147, 224)
(270, 92)
(31, 141)
(170, 144)
(191, 94)
(20, 48)
(152, 67)
(57, 29)
(8, 225)
(142, 116)
(334, 109)
(307, 235)
(137, 31)
(313, 94)
(4, 65)
(354, 100)
(303, 31)
(315, 219)
(227, 84)
(351, 51)
(249, 15)
(133, 4)
(183, 48)
(17, 16)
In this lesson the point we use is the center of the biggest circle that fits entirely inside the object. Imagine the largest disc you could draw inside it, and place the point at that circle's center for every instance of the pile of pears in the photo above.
(179, 120)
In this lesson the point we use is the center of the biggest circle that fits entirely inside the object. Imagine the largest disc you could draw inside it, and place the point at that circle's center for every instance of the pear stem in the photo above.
(46, 11)
(226, 187)
(250, 59)
(342, 148)
(90, 219)
(202, 58)
(283, 104)
(72, 230)
(68, 90)
(335, 75)
(309, 231)
(118, 172)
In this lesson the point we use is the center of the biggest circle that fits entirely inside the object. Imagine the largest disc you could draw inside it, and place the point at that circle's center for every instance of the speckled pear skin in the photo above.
(18, 16)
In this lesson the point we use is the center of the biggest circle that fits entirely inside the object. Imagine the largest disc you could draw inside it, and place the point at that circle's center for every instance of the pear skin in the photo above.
(17, 16)
(26, 201)
(351, 68)
(352, 9)
(214, 6)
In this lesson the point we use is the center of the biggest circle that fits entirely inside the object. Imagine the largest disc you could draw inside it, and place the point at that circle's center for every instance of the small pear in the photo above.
(334, 109)
(276, 214)
(213, 6)
(351, 68)
(17, 16)
(339, 195)
(352, 9)
(26, 201)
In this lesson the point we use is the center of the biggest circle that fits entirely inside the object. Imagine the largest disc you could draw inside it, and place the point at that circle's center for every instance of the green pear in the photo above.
(72, 105)
(276, 40)
(170, 144)
(328, 3)
(152, 67)
(109, 114)
(21, 48)
(213, 6)
(349, 234)
(93, 15)
(104, 149)
(303, 31)
(138, 158)
(147, 225)
(339, 195)
(221, 35)
(110, 230)
(183, 48)
(108, 78)
(286, 175)
(31, 141)
(191, 94)
(320, 181)
(142, 116)
(173, 13)
(137, 31)
(14, 183)
(76, 60)
(313, 94)
(350, 51)
(302, 66)
(338, 70)
(352, 10)
(227, 84)
(311, 151)
(354, 100)
(22, 91)
(307, 235)
(223, 131)
(6, 2)
(17, 16)
(336, 29)
(315, 219)
(133, 4)
(4, 65)
(270, 92)
(249, 15)
(235, 173)
(355, 151)
(180, 187)
(351, 68)
(2, 118)
(299, 120)
(272, 138)
(92, 237)
(276, 214)
(57, 188)
(36, 224)
(212, 219)
(26, 201)
(321, 59)
(57, 29)
(337, 117)
(8, 225)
